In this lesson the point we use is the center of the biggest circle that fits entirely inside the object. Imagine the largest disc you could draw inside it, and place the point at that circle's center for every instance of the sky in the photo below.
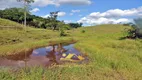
(88, 12)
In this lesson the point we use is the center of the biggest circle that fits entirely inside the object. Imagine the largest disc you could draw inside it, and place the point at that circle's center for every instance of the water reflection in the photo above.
(51, 55)
(39, 57)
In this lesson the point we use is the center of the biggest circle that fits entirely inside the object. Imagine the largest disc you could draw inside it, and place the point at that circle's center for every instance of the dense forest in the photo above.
(51, 22)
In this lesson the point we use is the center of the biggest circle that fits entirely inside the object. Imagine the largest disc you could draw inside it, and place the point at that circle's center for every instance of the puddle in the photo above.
(45, 56)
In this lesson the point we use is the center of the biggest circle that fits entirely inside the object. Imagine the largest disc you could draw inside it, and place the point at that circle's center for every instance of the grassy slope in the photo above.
(110, 57)
(16, 40)
(9, 24)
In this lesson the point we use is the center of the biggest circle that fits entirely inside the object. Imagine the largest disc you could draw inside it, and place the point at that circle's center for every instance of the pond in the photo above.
(55, 54)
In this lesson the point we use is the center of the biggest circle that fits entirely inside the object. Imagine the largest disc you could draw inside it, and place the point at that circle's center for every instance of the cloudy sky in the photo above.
(89, 12)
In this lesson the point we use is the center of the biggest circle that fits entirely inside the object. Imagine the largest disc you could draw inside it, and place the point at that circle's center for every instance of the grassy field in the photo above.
(14, 40)
(7, 24)
(111, 57)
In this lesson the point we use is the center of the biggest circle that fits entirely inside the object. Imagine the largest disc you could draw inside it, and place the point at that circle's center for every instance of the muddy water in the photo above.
(40, 57)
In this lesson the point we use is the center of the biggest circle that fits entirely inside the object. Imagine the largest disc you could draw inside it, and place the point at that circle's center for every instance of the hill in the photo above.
(110, 57)
(13, 34)
(4, 23)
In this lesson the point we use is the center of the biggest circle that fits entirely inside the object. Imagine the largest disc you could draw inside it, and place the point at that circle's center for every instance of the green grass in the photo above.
(13, 41)
(7, 24)
(110, 57)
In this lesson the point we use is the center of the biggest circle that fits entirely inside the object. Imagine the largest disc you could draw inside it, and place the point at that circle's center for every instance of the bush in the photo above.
(138, 27)
(131, 33)
(83, 31)
(62, 33)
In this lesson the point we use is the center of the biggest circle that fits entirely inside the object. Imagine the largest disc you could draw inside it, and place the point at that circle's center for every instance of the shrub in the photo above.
(62, 33)
(138, 27)
(83, 31)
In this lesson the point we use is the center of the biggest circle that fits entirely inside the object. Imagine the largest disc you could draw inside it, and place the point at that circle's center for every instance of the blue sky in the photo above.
(96, 6)
(89, 12)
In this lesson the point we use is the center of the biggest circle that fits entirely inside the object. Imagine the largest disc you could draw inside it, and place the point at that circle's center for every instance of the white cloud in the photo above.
(9, 3)
(113, 16)
(45, 16)
(35, 10)
(74, 2)
(116, 13)
(140, 15)
(71, 14)
(75, 11)
(42, 3)
(60, 14)
(68, 21)
(104, 21)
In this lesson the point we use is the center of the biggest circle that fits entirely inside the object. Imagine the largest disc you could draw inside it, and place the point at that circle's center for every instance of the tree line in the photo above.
(51, 22)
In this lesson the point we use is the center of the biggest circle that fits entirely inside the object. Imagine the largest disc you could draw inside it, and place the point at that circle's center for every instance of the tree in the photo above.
(62, 27)
(75, 25)
(26, 4)
(138, 27)
(53, 19)
(0, 13)
(16, 14)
